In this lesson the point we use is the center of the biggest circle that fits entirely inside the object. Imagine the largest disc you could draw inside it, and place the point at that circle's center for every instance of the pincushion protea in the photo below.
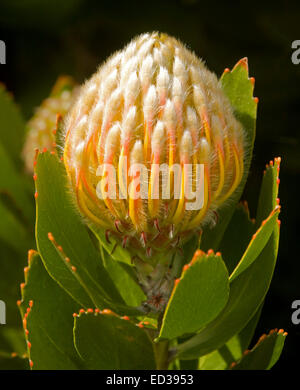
(152, 103)
(41, 127)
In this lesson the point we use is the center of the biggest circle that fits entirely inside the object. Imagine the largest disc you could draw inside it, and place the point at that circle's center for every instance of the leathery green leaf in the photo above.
(247, 290)
(12, 231)
(197, 297)
(12, 125)
(264, 354)
(15, 185)
(12, 341)
(125, 280)
(239, 226)
(257, 243)
(12, 362)
(108, 342)
(232, 351)
(112, 247)
(57, 215)
(47, 312)
(268, 192)
(65, 246)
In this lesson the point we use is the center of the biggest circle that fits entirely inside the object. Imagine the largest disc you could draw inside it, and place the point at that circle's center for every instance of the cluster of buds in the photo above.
(42, 126)
(151, 106)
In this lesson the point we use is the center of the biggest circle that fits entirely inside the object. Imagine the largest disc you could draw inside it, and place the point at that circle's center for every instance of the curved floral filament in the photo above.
(239, 168)
(221, 173)
(198, 218)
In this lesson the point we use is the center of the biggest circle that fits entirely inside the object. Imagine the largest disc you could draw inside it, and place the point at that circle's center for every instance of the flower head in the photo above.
(141, 127)
(41, 127)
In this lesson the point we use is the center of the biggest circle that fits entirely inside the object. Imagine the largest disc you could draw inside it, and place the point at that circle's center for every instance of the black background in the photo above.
(47, 38)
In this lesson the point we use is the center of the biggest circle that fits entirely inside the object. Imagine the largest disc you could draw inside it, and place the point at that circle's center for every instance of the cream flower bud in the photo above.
(153, 111)
(41, 127)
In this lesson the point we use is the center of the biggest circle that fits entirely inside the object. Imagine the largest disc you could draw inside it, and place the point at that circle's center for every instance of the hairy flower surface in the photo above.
(152, 103)
(41, 127)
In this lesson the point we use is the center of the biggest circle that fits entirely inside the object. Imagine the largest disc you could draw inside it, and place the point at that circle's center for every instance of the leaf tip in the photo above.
(243, 62)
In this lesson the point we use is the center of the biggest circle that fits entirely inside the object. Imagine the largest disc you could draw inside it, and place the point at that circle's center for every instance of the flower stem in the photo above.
(162, 354)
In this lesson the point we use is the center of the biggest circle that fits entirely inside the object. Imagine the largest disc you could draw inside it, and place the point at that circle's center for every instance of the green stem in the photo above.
(162, 354)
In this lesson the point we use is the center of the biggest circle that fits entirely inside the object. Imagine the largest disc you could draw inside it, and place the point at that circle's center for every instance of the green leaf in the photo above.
(189, 364)
(113, 247)
(268, 191)
(57, 215)
(264, 354)
(11, 271)
(12, 340)
(198, 297)
(68, 252)
(257, 243)
(185, 255)
(13, 232)
(107, 342)
(239, 226)
(15, 185)
(222, 358)
(239, 90)
(247, 291)
(59, 137)
(124, 279)
(11, 126)
(12, 362)
(49, 320)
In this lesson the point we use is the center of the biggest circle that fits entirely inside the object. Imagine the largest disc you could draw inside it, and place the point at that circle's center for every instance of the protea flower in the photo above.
(41, 127)
(154, 103)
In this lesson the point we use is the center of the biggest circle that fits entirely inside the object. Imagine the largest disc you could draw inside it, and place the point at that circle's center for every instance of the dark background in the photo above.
(47, 38)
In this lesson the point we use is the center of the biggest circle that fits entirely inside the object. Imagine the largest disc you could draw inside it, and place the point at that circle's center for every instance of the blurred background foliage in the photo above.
(45, 39)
